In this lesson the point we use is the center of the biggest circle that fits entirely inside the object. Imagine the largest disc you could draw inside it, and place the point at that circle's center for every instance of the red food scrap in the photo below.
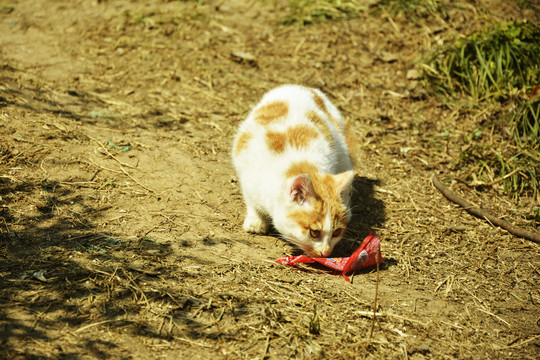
(367, 254)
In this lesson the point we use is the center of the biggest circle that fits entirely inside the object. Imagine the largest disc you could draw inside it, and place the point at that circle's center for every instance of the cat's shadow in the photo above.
(368, 213)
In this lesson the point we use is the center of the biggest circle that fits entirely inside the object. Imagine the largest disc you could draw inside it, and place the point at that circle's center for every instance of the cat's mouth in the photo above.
(320, 254)
(308, 250)
(314, 253)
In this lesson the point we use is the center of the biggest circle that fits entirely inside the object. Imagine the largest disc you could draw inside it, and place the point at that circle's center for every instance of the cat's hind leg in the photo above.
(255, 223)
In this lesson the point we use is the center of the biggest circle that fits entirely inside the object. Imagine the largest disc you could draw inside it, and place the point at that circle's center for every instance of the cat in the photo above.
(292, 159)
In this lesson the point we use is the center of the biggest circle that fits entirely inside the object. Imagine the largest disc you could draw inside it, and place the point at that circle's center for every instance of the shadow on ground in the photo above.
(368, 213)
(62, 279)
(88, 107)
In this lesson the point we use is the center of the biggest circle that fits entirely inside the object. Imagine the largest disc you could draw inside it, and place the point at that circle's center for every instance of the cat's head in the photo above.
(317, 211)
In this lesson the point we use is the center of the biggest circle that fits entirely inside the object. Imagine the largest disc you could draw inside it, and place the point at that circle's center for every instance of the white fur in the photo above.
(261, 173)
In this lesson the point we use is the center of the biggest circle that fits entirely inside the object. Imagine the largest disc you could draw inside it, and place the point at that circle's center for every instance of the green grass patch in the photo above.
(413, 10)
(6, 9)
(516, 170)
(488, 65)
(526, 124)
(509, 155)
(500, 66)
(307, 12)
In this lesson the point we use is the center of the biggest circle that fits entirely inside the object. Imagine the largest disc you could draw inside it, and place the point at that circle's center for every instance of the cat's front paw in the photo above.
(256, 225)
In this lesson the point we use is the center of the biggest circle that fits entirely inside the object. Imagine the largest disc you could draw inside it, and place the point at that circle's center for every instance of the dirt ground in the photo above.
(120, 213)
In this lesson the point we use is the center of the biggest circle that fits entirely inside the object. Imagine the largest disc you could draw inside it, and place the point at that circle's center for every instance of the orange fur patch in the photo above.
(299, 136)
(319, 101)
(310, 219)
(326, 198)
(276, 141)
(271, 112)
(321, 126)
(350, 140)
(301, 168)
(242, 143)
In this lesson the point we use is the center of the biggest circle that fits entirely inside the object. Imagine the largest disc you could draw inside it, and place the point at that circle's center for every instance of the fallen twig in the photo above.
(478, 212)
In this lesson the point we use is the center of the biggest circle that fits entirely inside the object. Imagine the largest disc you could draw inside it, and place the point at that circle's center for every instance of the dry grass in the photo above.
(140, 253)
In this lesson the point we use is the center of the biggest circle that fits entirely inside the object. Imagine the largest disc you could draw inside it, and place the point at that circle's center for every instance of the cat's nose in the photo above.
(325, 253)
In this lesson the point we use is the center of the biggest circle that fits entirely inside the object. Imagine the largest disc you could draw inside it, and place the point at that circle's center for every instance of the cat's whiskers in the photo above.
(354, 207)
(342, 218)
(290, 239)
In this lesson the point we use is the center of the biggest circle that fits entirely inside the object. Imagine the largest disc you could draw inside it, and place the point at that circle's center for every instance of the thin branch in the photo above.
(482, 214)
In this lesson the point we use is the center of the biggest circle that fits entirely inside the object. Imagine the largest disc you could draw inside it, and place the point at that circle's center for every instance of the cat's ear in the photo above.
(301, 189)
(343, 182)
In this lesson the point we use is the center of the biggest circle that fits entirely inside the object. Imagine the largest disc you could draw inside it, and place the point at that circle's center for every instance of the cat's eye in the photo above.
(337, 232)
(314, 233)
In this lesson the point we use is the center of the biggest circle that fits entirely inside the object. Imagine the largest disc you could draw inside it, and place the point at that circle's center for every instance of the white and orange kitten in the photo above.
(294, 168)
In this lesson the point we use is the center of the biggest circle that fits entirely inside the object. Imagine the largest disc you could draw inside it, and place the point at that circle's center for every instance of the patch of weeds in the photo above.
(187, 12)
(413, 9)
(314, 324)
(526, 124)
(534, 215)
(487, 65)
(515, 169)
(497, 66)
(513, 161)
(6, 9)
(307, 12)
(527, 4)
(146, 19)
